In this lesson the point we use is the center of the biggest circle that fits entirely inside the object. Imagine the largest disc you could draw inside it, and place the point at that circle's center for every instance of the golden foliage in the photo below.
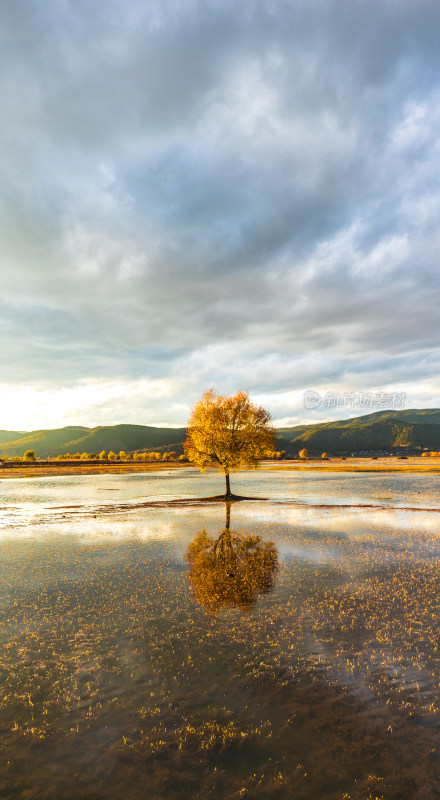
(303, 453)
(172, 456)
(231, 570)
(231, 431)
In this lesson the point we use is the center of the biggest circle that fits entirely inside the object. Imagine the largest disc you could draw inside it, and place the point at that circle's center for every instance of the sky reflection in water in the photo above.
(117, 682)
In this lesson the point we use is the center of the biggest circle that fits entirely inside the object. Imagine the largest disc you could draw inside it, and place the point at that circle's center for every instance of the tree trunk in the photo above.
(228, 516)
(228, 486)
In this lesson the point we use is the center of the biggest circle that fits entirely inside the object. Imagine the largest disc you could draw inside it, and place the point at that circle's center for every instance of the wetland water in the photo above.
(143, 656)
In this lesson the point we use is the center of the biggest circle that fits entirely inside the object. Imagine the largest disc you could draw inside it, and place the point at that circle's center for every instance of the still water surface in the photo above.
(144, 654)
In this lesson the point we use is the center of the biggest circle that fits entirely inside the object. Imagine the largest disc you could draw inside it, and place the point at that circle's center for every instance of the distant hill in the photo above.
(126, 437)
(73, 439)
(382, 430)
(9, 436)
(44, 442)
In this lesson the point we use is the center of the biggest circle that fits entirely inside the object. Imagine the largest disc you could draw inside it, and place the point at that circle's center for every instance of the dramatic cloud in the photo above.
(238, 195)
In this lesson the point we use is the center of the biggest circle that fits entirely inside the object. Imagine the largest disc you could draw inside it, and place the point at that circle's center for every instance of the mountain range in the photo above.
(77, 439)
(381, 430)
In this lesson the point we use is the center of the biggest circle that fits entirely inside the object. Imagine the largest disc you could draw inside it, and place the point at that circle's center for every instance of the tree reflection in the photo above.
(232, 569)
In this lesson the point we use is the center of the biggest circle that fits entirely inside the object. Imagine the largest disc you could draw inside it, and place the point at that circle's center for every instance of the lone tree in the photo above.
(230, 431)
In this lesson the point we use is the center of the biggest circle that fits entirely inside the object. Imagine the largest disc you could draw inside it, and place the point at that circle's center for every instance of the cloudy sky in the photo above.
(204, 193)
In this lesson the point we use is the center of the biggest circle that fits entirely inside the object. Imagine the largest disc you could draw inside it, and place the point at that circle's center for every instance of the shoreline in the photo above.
(63, 468)
(415, 465)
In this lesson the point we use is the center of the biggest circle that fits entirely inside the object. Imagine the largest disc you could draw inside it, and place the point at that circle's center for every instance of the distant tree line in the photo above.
(277, 455)
(30, 456)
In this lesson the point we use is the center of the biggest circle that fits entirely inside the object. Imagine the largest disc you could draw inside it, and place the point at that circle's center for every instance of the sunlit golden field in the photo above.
(414, 465)
(138, 661)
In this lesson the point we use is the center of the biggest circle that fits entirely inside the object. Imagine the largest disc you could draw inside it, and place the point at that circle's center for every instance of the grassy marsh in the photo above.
(116, 681)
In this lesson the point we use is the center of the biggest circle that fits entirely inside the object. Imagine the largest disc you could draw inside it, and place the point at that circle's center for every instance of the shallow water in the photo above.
(119, 677)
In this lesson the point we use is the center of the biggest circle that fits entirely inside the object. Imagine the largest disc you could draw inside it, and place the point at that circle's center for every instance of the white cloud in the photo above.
(217, 194)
